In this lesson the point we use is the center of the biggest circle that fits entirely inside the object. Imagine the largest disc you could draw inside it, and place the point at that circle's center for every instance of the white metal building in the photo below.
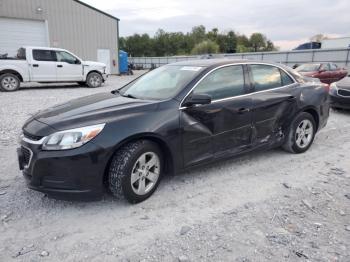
(70, 24)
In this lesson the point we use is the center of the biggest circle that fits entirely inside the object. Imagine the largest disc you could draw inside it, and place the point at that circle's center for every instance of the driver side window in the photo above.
(66, 57)
(222, 83)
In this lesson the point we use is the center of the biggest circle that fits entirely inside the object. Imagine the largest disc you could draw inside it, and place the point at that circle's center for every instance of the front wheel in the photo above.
(301, 133)
(94, 80)
(135, 171)
(9, 82)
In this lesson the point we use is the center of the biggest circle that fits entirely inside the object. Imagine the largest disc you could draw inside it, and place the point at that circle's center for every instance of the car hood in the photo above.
(92, 63)
(344, 83)
(91, 110)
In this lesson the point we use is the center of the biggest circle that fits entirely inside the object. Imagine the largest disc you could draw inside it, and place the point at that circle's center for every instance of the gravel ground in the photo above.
(266, 206)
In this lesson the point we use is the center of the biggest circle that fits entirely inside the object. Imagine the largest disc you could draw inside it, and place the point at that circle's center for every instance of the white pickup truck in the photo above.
(48, 65)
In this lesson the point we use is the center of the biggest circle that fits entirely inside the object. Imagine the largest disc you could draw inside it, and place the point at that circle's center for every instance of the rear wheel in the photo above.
(94, 80)
(9, 82)
(301, 133)
(135, 171)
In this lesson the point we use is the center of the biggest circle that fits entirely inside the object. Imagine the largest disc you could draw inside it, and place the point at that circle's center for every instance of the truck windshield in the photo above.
(162, 83)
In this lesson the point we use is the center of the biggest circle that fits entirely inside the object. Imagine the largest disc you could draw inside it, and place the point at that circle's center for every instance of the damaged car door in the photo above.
(274, 102)
(225, 124)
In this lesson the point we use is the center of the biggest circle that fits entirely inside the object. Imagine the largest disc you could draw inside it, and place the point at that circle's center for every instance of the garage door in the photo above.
(15, 33)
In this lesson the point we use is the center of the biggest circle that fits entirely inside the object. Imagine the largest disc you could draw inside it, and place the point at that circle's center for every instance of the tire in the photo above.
(81, 83)
(125, 182)
(9, 82)
(94, 80)
(301, 134)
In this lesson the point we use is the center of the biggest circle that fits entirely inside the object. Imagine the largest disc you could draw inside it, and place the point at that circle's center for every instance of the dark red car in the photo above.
(327, 72)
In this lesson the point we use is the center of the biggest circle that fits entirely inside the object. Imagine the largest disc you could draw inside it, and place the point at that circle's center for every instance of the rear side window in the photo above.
(44, 55)
(222, 83)
(286, 79)
(266, 77)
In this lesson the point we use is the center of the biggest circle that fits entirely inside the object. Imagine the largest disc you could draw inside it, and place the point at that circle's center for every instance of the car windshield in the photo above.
(308, 68)
(162, 83)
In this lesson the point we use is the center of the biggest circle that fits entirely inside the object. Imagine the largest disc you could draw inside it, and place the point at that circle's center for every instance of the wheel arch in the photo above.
(163, 145)
(94, 71)
(11, 71)
(313, 111)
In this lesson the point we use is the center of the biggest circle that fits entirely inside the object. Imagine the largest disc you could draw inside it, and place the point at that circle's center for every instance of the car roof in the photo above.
(208, 62)
(43, 48)
(316, 63)
(221, 61)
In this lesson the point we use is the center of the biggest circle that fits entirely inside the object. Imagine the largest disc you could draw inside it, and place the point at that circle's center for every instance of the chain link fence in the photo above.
(339, 56)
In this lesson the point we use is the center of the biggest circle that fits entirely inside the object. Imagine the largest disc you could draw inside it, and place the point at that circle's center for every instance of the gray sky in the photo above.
(287, 23)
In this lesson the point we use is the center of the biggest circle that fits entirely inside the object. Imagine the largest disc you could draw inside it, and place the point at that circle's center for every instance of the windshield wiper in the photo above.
(123, 94)
(128, 95)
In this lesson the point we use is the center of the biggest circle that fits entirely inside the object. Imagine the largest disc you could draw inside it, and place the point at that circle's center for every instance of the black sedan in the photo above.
(171, 119)
(340, 93)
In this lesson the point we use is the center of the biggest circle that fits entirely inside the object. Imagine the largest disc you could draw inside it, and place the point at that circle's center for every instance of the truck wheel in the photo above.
(94, 80)
(135, 171)
(9, 82)
(301, 134)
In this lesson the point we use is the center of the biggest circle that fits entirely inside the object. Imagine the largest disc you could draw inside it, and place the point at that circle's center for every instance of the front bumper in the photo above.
(340, 101)
(104, 76)
(75, 174)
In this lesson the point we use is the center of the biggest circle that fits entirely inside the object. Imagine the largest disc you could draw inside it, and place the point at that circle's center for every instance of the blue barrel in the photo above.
(123, 62)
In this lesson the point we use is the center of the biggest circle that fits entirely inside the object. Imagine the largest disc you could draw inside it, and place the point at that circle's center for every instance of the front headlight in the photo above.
(72, 138)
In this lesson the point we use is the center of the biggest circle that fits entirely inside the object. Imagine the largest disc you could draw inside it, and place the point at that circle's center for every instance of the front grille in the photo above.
(31, 137)
(27, 155)
(344, 92)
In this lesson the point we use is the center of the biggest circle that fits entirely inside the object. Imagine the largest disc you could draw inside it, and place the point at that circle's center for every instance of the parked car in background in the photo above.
(327, 72)
(169, 120)
(308, 45)
(340, 93)
(48, 65)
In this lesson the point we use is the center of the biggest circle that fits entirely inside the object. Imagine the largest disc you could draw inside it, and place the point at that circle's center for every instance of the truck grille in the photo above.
(27, 155)
(344, 92)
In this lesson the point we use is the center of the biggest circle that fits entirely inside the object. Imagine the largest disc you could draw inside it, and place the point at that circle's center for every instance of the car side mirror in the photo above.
(198, 99)
(321, 70)
(77, 62)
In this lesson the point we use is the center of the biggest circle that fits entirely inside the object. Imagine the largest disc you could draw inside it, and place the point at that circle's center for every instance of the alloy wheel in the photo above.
(145, 173)
(9, 83)
(95, 81)
(304, 133)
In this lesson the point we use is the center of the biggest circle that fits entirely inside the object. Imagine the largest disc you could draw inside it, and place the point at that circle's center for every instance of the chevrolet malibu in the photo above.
(171, 119)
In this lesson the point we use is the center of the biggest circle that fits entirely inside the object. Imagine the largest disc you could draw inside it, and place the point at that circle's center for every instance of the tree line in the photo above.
(198, 41)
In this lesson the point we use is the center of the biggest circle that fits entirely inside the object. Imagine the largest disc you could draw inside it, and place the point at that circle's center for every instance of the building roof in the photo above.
(97, 10)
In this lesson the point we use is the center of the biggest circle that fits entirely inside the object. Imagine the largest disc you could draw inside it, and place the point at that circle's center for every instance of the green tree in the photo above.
(198, 34)
(257, 41)
(177, 43)
(205, 47)
(270, 46)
